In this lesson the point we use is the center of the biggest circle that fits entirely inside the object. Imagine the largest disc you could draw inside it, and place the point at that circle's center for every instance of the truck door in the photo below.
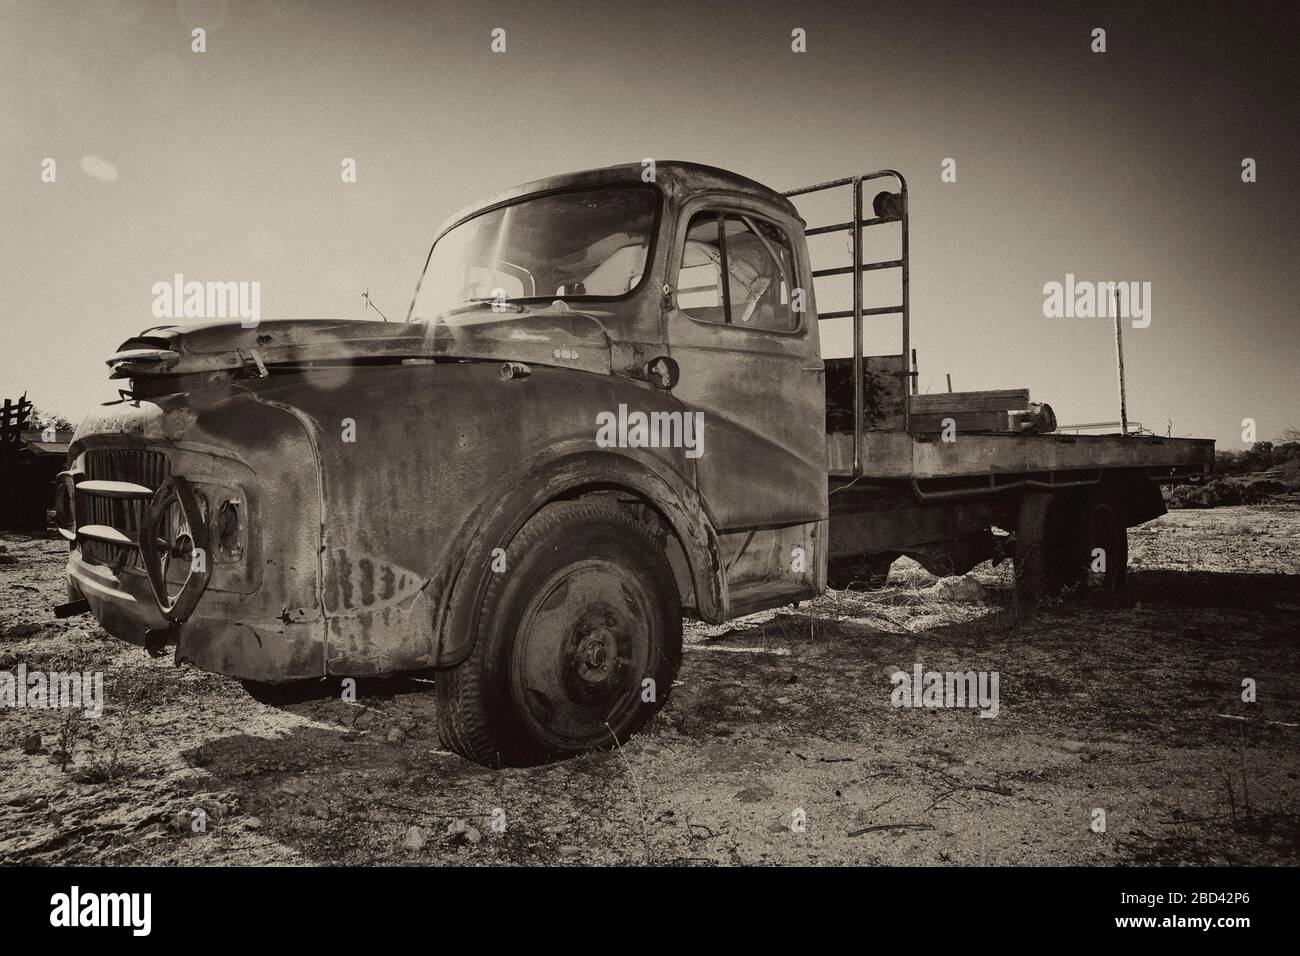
(749, 360)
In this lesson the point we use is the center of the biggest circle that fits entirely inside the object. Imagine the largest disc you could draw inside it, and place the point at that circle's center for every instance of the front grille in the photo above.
(137, 465)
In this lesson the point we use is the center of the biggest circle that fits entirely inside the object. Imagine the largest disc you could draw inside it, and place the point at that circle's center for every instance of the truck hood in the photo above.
(564, 339)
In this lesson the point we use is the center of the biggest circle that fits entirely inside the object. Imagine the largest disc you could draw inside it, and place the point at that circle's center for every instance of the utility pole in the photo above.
(1119, 362)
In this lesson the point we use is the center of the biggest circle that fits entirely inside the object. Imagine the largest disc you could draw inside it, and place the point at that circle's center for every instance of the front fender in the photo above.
(425, 468)
(561, 474)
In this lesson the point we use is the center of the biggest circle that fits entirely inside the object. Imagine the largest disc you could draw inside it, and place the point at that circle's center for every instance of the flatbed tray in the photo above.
(897, 455)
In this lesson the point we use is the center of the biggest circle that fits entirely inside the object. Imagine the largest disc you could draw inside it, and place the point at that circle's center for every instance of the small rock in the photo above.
(216, 808)
(253, 823)
(8, 559)
(22, 630)
(962, 588)
(462, 832)
(414, 839)
(364, 719)
(396, 735)
(32, 744)
(570, 850)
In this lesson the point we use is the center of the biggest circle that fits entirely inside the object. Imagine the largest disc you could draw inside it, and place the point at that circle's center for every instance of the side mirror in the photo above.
(662, 371)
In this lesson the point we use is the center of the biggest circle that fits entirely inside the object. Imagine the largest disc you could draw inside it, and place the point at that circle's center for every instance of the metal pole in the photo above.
(855, 246)
(1119, 362)
(907, 332)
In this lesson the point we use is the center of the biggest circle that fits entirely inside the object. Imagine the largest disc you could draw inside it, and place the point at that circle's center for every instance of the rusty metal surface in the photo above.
(435, 446)
(260, 612)
(357, 545)
(676, 178)
(565, 339)
(762, 393)
(898, 455)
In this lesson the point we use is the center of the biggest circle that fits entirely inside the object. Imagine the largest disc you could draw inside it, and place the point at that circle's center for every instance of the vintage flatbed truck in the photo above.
(581, 432)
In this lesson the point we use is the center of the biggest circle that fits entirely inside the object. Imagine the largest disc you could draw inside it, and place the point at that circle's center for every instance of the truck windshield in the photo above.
(589, 244)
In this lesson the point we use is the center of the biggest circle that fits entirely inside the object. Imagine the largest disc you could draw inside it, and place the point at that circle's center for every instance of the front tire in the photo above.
(579, 640)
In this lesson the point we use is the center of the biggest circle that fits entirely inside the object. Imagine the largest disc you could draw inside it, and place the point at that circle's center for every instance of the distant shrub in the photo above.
(1220, 493)
(1262, 456)
(1263, 488)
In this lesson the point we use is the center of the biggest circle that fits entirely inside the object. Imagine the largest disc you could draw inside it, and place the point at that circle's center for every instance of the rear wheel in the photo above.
(1071, 541)
(1099, 554)
(578, 643)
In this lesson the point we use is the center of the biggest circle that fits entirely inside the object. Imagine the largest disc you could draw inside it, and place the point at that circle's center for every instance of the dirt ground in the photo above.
(780, 717)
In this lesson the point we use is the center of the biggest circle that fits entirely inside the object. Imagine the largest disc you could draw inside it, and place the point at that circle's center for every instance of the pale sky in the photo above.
(225, 166)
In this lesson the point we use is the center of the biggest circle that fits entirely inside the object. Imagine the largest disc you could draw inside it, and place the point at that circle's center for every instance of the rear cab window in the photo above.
(758, 260)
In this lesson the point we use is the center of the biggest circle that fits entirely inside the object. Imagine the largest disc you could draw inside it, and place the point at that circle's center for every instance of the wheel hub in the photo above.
(592, 654)
(582, 652)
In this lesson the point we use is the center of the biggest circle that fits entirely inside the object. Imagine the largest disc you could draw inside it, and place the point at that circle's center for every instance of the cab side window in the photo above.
(757, 259)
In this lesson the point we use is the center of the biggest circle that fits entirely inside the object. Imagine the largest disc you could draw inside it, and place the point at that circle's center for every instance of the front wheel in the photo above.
(579, 640)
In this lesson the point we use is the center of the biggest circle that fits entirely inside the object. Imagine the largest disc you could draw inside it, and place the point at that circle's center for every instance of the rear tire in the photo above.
(1075, 540)
(569, 635)
(1098, 559)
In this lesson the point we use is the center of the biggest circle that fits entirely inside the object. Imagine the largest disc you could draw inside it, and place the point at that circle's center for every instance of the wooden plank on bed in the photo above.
(996, 400)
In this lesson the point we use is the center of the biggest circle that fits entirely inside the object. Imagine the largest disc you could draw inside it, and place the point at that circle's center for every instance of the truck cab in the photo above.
(607, 408)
